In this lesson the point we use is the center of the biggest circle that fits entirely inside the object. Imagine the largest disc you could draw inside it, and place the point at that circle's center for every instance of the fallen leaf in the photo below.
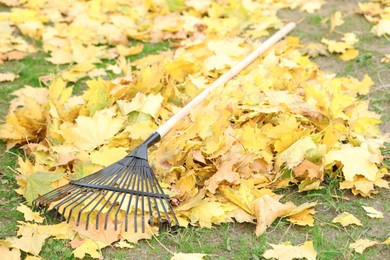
(29, 215)
(336, 20)
(9, 76)
(89, 132)
(355, 160)
(288, 252)
(267, 209)
(314, 49)
(360, 245)
(10, 254)
(346, 219)
(188, 256)
(90, 247)
(373, 213)
(349, 54)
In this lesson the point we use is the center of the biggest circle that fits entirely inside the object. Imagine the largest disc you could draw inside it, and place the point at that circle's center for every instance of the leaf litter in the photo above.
(282, 122)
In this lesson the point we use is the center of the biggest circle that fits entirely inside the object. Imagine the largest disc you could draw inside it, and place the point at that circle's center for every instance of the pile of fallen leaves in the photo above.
(281, 122)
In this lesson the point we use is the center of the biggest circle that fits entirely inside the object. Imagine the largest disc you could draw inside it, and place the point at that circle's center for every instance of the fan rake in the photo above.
(129, 186)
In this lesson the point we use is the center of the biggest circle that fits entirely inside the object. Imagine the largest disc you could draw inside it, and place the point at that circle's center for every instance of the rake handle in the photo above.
(170, 123)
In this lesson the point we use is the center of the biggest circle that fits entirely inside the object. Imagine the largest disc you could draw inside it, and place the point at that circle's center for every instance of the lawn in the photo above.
(238, 240)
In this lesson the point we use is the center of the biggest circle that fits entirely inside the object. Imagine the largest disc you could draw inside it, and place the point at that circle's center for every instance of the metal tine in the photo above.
(115, 200)
(156, 187)
(78, 193)
(104, 193)
(136, 205)
(152, 187)
(151, 220)
(98, 193)
(143, 200)
(126, 185)
(131, 196)
(91, 192)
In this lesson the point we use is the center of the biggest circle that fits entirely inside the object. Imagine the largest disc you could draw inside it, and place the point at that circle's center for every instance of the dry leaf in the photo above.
(29, 215)
(90, 247)
(187, 256)
(10, 254)
(287, 251)
(9, 76)
(349, 54)
(267, 209)
(360, 245)
(373, 213)
(314, 49)
(336, 20)
(346, 219)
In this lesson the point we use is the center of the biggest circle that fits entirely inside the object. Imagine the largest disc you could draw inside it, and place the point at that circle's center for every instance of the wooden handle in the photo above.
(170, 123)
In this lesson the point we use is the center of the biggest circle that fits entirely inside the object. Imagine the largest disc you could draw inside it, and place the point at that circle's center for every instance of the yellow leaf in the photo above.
(349, 54)
(30, 243)
(360, 245)
(148, 104)
(311, 6)
(60, 56)
(97, 95)
(107, 156)
(267, 209)
(90, 247)
(208, 212)
(382, 28)
(8, 76)
(386, 242)
(314, 49)
(243, 197)
(9, 254)
(336, 20)
(295, 154)
(123, 244)
(346, 219)
(127, 51)
(289, 252)
(302, 215)
(29, 215)
(90, 132)
(373, 213)
(355, 160)
(187, 256)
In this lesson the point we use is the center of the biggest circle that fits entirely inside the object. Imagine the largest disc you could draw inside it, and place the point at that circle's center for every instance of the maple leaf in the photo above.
(31, 242)
(29, 215)
(382, 28)
(39, 183)
(288, 252)
(349, 54)
(188, 256)
(336, 20)
(373, 213)
(314, 49)
(10, 254)
(243, 197)
(346, 219)
(208, 212)
(363, 163)
(90, 247)
(147, 104)
(90, 132)
(267, 209)
(360, 245)
(8, 76)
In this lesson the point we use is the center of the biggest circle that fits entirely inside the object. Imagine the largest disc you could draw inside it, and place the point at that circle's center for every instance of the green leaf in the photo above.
(39, 183)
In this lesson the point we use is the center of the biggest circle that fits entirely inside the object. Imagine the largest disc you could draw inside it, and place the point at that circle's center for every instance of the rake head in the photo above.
(126, 192)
